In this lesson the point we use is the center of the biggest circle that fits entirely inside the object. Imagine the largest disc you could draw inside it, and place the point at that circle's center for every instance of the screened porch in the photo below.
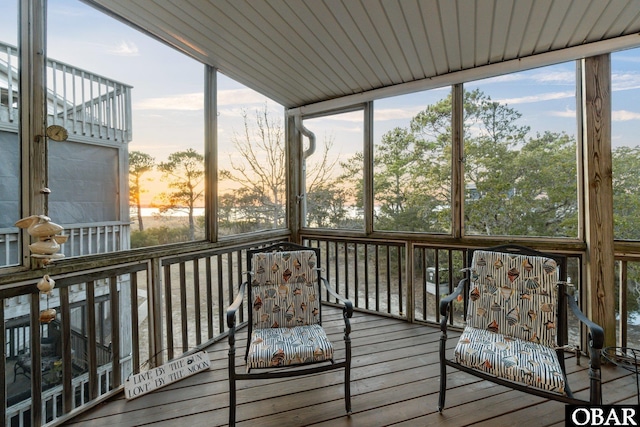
(394, 136)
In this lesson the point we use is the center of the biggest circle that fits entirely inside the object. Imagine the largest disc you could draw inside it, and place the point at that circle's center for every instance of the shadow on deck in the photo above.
(395, 380)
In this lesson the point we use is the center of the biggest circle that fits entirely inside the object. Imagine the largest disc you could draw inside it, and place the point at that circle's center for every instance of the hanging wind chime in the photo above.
(45, 286)
(45, 249)
(47, 234)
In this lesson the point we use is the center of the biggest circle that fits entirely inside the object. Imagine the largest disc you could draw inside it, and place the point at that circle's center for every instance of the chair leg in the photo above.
(232, 402)
(347, 373)
(443, 388)
(23, 371)
(443, 374)
(347, 388)
(232, 387)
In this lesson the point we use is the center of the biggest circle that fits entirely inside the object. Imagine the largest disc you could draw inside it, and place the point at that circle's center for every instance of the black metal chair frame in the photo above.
(566, 297)
(23, 363)
(293, 370)
(49, 355)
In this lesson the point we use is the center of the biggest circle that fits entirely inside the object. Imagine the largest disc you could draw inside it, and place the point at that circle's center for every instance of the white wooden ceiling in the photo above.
(300, 52)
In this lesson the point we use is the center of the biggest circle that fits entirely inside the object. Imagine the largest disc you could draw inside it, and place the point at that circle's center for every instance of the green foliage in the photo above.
(516, 184)
(326, 206)
(159, 236)
(139, 164)
(402, 188)
(326, 201)
(244, 211)
(259, 174)
(353, 175)
(626, 203)
(184, 172)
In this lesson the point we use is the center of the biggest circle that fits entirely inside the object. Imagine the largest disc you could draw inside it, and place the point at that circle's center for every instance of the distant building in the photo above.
(88, 173)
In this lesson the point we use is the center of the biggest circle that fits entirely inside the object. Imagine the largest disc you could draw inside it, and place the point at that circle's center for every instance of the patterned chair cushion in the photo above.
(511, 358)
(273, 347)
(286, 311)
(284, 289)
(514, 295)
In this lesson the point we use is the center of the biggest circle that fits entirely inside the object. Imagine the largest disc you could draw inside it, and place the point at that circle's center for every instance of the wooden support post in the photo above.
(32, 48)
(596, 124)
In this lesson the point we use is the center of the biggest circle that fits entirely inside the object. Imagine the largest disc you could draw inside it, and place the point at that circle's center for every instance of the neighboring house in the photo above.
(88, 179)
(88, 173)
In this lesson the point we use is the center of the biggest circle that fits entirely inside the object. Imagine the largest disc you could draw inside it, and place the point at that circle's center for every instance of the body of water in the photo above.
(155, 212)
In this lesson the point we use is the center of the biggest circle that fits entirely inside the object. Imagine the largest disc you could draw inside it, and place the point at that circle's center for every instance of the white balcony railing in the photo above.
(87, 104)
(96, 238)
(18, 414)
(84, 239)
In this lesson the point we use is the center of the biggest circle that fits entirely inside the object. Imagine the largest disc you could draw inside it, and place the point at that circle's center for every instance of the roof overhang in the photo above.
(314, 54)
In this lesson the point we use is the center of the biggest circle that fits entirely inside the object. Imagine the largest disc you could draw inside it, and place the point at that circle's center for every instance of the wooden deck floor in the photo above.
(395, 380)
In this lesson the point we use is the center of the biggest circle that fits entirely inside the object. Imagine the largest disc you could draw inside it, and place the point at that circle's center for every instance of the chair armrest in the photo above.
(595, 330)
(445, 304)
(233, 308)
(348, 306)
(596, 341)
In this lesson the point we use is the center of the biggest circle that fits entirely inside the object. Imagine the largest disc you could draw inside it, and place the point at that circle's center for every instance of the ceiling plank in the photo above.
(299, 81)
(534, 27)
(474, 45)
(517, 29)
(303, 52)
(451, 31)
(554, 22)
(389, 25)
(413, 14)
(590, 18)
(493, 19)
(353, 14)
(611, 21)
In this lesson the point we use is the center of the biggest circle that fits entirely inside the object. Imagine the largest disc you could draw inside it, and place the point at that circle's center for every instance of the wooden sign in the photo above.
(139, 384)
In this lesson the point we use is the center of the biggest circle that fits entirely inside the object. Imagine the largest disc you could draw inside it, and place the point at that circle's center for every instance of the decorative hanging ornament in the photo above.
(48, 239)
(46, 316)
(46, 284)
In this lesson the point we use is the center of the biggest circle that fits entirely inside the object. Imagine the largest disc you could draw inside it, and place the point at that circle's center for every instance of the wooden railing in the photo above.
(20, 413)
(83, 373)
(398, 278)
(372, 274)
(87, 104)
(146, 313)
(628, 290)
(155, 308)
(380, 276)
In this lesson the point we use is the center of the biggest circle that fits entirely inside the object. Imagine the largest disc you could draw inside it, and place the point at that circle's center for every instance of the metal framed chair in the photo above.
(50, 354)
(285, 334)
(516, 324)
